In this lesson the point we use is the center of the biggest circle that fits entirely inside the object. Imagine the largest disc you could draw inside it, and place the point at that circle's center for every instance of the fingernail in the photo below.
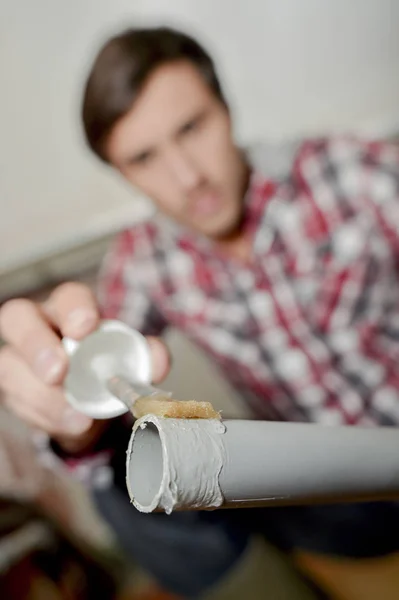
(81, 319)
(75, 422)
(50, 363)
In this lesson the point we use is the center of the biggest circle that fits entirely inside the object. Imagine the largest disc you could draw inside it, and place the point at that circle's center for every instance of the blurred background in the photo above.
(290, 68)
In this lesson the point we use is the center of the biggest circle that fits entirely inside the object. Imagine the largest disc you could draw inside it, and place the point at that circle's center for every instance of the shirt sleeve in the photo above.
(363, 175)
(380, 184)
(125, 282)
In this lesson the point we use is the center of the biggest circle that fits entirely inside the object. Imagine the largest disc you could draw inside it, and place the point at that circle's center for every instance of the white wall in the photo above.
(291, 66)
(295, 66)
(50, 188)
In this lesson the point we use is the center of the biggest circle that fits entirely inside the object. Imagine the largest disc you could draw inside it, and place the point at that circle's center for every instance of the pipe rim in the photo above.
(139, 431)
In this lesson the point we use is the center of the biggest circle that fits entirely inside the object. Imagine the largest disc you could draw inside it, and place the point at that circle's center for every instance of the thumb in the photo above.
(161, 359)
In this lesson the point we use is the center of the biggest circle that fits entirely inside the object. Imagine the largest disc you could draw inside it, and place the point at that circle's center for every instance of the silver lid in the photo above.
(113, 349)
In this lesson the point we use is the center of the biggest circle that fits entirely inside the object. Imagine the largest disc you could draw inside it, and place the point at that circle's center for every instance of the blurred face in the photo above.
(176, 146)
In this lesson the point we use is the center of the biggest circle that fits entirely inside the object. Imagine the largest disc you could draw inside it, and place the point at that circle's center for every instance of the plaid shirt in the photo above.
(308, 328)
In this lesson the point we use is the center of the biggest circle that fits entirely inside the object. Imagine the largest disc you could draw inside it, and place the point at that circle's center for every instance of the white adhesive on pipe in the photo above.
(175, 463)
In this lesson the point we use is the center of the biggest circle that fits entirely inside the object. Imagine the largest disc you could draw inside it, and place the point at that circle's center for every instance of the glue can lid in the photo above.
(112, 349)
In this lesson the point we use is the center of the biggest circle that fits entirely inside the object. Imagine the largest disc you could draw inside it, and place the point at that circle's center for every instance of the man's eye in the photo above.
(143, 159)
(190, 126)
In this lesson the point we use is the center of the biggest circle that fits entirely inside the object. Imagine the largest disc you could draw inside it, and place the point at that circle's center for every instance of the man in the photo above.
(283, 268)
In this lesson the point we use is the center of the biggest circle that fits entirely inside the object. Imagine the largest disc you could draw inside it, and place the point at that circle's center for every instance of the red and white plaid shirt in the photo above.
(308, 328)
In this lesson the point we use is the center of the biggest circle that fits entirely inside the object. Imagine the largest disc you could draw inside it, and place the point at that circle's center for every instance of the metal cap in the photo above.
(113, 349)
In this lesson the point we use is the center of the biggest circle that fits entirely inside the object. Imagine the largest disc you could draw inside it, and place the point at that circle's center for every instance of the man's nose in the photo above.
(183, 169)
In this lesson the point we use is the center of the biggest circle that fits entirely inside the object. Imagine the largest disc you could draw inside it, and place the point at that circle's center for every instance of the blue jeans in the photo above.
(188, 552)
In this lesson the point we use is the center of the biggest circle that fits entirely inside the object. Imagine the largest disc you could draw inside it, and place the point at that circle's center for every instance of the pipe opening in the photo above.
(145, 465)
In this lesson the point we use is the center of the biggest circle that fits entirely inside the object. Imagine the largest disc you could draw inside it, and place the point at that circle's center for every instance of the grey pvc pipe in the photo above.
(176, 464)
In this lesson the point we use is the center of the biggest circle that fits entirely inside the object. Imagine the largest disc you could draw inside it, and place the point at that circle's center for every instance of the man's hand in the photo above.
(33, 363)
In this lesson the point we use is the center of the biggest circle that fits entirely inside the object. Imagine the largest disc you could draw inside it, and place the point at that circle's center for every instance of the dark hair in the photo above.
(123, 66)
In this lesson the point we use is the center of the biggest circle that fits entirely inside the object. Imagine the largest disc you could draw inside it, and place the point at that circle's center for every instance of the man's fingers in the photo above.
(73, 308)
(39, 405)
(23, 326)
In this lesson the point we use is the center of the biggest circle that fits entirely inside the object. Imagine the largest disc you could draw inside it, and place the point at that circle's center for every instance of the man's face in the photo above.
(176, 146)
